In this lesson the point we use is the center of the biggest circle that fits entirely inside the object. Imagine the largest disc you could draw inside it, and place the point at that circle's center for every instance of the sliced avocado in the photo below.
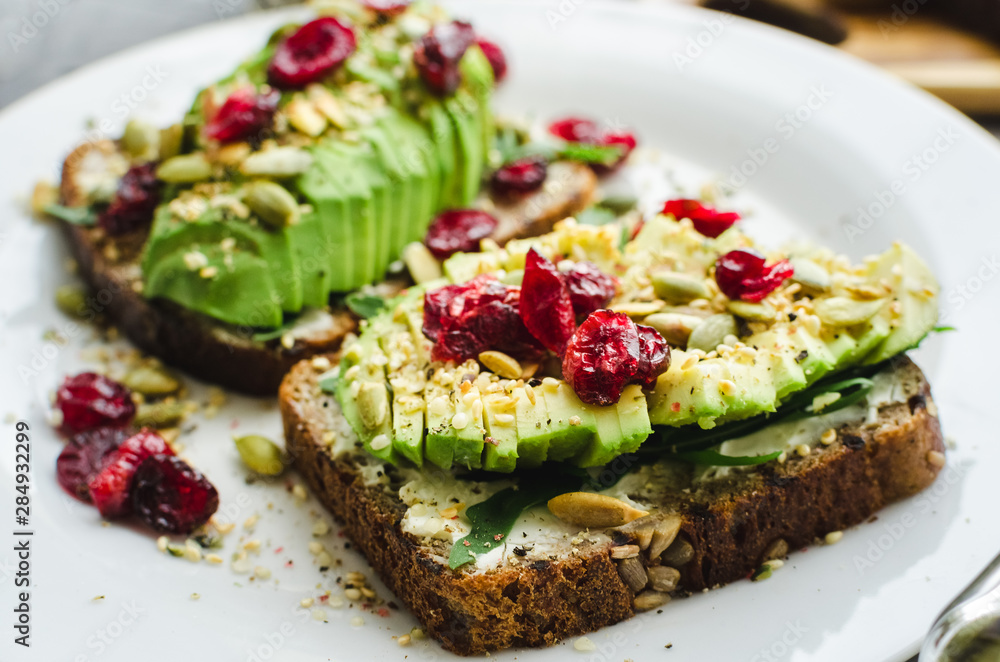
(534, 429)
(362, 385)
(470, 440)
(780, 362)
(633, 417)
(869, 336)
(917, 291)
(501, 445)
(408, 427)
(462, 108)
(682, 397)
(463, 267)
(443, 135)
(403, 185)
(607, 440)
(573, 424)
(326, 264)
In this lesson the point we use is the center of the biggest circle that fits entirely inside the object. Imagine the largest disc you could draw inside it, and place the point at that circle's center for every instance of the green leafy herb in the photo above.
(73, 215)
(493, 519)
(328, 380)
(595, 216)
(943, 329)
(619, 204)
(586, 153)
(364, 305)
(265, 336)
(716, 459)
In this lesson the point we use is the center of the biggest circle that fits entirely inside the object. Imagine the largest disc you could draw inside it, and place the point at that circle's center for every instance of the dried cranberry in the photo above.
(135, 201)
(654, 355)
(110, 488)
(438, 53)
(245, 115)
(83, 457)
(458, 230)
(310, 53)
(706, 220)
(171, 496)
(742, 274)
(90, 400)
(602, 357)
(498, 61)
(579, 130)
(387, 8)
(520, 177)
(464, 320)
(546, 306)
(589, 288)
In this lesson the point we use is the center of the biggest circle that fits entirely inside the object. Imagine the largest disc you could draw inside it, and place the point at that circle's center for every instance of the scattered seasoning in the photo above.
(833, 537)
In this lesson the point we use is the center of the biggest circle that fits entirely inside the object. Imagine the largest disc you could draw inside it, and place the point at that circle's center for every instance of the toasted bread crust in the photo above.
(729, 525)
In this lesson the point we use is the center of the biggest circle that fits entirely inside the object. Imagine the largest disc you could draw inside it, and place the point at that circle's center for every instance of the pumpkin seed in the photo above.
(141, 140)
(679, 287)
(277, 162)
(171, 139)
(712, 332)
(260, 454)
(304, 116)
(501, 364)
(842, 311)
(755, 312)
(593, 510)
(373, 404)
(678, 554)
(423, 266)
(663, 535)
(72, 301)
(272, 203)
(160, 414)
(776, 550)
(185, 169)
(650, 600)
(663, 578)
(810, 274)
(676, 328)
(624, 551)
(633, 573)
(638, 309)
(151, 381)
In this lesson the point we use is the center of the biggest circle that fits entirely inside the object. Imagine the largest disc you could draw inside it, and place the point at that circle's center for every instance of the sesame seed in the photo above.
(828, 437)
(936, 458)
(208, 272)
(690, 362)
(213, 558)
(260, 572)
(321, 527)
(530, 392)
(774, 564)
(318, 615)
(551, 381)
(783, 457)
(352, 594)
(321, 363)
(404, 640)
(324, 560)
(287, 341)
(368, 593)
(161, 543)
(477, 409)
(727, 387)
(380, 442)
(241, 566)
(833, 537)
(306, 603)
(195, 596)
(575, 421)
(584, 644)
(356, 577)
(252, 545)
(250, 522)
(192, 554)
(504, 419)
(802, 450)
(358, 621)
(299, 492)
(315, 548)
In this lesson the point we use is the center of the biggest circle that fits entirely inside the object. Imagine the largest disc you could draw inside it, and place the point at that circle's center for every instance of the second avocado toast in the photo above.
(781, 411)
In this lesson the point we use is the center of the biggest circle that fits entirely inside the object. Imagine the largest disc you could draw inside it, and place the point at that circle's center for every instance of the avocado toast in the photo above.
(226, 244)
(759, 404)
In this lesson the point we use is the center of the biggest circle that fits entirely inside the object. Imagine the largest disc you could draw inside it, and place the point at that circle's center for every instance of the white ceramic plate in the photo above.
(829, 135)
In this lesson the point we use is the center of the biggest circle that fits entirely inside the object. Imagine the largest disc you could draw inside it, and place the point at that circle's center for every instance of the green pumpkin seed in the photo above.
(712, 332)
(141, 140)
(171, 139)
(638, 309)
(185, 169)
(678, 287)
(676, 328)
(72, 301)
(810, 274)
(151, 381)
(277, 162)
(755, 312)
(160, 414)
(260, 454)
(842, 311)
(272, 203)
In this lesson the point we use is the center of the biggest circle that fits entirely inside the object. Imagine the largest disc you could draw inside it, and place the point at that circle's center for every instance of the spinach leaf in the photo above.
(585, 153)
(493, 519)
(595, 216)
(716, 459)
(328, 381)
(73, 215)
(364, 305)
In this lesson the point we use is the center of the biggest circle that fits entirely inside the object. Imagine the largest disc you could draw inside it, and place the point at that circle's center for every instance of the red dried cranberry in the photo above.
(171, 496)
(654, 355)
(310, 53)
(706, 220)
(579, 130)
(458, 230)
(520, 177)
(110, 488)
(387, 8)
(498, 61)
(546, 306)
(90, 400)
(602, 357)
(589, 288)
(135, 201)
(438, 53)
(742, 274)
(464, 320)
(245, 115)
(83, 457)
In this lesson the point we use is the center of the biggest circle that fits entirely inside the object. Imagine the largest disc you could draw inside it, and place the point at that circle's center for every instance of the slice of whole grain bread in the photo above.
(231, 356)
(538, 596)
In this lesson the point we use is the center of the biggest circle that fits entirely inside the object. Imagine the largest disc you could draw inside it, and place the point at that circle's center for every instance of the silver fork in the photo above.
(968, 630)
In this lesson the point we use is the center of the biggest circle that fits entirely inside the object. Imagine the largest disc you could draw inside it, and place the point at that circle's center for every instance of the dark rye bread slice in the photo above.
(727, 526)
(228, 355)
